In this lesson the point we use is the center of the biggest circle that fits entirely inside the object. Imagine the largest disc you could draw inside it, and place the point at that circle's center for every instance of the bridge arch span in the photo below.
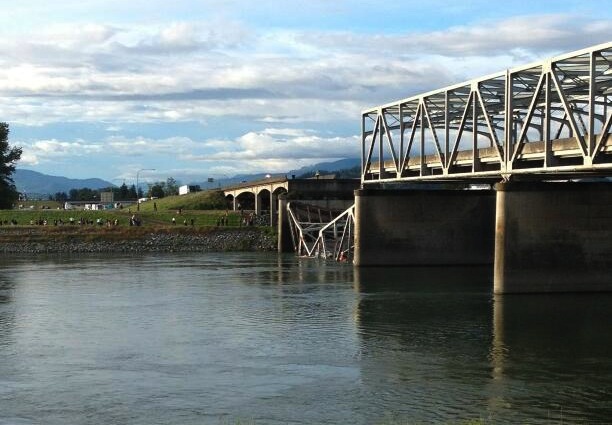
(246, 201)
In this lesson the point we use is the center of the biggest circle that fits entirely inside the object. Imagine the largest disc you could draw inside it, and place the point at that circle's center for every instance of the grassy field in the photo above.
(122, 217)
(200, 209)
(37, 205)
(205, 200)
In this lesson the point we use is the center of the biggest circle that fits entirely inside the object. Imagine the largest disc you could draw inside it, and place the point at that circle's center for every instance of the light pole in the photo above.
(137, 173)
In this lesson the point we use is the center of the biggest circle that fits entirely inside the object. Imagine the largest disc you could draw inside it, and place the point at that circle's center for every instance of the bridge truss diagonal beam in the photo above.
(549, 118)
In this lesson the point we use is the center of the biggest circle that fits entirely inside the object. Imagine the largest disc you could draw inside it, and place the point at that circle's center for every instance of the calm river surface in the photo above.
(223, 338)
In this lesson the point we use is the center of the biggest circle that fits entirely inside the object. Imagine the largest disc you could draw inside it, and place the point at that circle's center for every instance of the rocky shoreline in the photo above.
(38, 241)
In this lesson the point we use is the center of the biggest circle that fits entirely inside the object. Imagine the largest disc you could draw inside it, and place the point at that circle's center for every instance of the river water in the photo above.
(263, 339)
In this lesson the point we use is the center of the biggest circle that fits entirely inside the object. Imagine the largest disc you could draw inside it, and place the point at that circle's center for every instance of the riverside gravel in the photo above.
(18, 242)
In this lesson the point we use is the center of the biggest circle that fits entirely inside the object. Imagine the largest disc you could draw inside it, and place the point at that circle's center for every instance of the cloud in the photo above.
(138, 146)
(280, 146)
(28, 159)
(186, 71)
(537, 34)
(274, 149)
(240, 79)
(40, 151)
(201, 61)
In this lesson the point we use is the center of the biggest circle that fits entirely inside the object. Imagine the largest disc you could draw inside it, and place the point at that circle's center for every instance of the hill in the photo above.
(33, 182)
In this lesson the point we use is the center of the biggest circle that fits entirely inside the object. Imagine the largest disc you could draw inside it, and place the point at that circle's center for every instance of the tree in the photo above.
(84, 194)
(8, 157)
(157, 190)
(172, 187)
(124, 192)
(132, 193)
(60, 197)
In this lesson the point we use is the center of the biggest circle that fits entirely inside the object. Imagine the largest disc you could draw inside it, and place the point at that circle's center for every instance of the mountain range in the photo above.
(341, 164)
(33, 182)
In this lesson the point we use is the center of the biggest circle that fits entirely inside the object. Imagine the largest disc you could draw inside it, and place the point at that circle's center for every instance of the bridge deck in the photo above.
(564, 149)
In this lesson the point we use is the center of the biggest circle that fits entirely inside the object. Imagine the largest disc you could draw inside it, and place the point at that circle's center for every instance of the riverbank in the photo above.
(76, 239)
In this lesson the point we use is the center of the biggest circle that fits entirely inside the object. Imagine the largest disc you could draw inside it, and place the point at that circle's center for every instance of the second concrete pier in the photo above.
(424, 227)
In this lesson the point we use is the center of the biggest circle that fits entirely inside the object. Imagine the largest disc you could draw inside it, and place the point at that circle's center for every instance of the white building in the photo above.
(185, 189)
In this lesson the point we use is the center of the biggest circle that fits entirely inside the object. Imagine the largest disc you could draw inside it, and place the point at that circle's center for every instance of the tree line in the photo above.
(122, 193)
(8, 158)
(159, 189)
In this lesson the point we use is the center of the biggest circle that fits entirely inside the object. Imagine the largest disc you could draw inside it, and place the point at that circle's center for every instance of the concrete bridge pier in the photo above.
(418, 227)
(285, 243)
(553, 237)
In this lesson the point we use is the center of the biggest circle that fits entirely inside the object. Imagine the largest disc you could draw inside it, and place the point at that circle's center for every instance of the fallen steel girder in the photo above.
(322, 232)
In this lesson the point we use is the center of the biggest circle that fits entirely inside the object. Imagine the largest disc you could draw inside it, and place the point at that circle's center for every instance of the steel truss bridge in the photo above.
(550, 118)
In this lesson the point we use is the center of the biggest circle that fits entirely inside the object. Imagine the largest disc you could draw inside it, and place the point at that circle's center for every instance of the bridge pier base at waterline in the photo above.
(553, 237)
(421, 227)
(540, 237)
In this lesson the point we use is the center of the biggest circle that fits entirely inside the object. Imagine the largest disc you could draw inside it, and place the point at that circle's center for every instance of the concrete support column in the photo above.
(424, 227)
(553, 237)
(272, 208)
(257, 204)
(284, 236)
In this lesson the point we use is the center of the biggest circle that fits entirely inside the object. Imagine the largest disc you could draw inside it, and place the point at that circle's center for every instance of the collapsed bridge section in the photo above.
(322, 232)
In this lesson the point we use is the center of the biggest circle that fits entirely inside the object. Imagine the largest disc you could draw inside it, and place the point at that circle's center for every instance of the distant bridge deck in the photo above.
(550, 118)
(262, 195)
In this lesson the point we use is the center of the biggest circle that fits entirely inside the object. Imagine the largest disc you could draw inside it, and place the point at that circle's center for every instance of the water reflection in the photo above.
(436, 345)
(184, 339)
(190, 339)
(425, 335)
(7, 315)
(551, 356)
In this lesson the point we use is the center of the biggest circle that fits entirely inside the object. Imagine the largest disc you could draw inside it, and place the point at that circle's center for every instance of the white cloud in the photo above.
(270, 150)
(40, 151)
(28, 159)
(125, 146)
(199, 62)
(538, 34)
(278, 146)
(296, 81)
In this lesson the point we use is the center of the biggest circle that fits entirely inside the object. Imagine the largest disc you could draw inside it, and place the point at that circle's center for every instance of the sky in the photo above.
(215, 88)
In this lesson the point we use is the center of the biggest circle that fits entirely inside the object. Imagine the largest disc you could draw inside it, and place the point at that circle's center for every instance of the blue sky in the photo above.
(197, 89)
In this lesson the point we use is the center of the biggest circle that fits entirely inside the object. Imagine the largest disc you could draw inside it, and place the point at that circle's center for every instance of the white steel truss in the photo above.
(551, 118)
(320, 232)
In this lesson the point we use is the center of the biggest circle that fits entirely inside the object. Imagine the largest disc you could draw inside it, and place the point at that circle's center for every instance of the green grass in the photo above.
(205, 200)
(39, 204)
(205, 208)
(148, 217)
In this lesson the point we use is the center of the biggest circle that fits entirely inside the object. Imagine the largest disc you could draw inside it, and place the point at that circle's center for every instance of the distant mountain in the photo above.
(341, 164)
(33, 182)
